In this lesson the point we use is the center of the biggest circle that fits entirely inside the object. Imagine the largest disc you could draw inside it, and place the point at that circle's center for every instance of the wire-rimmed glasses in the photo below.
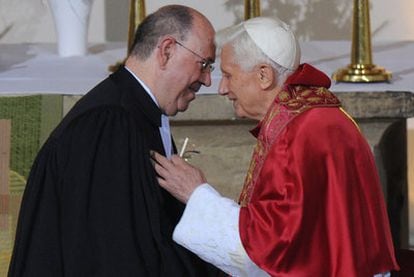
(206, 64)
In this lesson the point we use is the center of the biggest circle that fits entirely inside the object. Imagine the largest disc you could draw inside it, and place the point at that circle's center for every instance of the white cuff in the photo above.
(209, 228)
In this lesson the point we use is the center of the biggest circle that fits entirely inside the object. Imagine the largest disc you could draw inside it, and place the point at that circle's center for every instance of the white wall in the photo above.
(215, 10)
(31, 21)
(392, 20)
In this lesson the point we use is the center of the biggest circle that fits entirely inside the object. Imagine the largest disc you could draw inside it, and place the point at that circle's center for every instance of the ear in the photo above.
(166, 48)
(266, 76)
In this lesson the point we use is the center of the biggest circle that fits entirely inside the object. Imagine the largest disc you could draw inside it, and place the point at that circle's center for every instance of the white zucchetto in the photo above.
(275, 39)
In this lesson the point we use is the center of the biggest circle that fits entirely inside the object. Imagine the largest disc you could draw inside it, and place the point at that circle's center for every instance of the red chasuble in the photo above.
(312, 204)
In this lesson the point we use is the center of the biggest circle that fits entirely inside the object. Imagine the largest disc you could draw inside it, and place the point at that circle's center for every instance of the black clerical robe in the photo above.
(92, 205)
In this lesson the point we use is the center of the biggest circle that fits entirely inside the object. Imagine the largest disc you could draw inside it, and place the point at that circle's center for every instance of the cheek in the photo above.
(191, 72)
(244, 103)
(237, 86)
(239, 110)
(185, 98)
(184, 77)
(231, 85)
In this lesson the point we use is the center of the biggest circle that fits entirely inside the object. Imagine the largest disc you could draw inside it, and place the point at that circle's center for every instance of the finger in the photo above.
(160, 158)
(161, 171)
(155, 155)
(177, 160)
(152, 160)
(152, 157)
(162, 182)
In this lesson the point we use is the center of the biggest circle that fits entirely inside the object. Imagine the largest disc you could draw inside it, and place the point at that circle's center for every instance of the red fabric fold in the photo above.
(312, 204)
(307, 75)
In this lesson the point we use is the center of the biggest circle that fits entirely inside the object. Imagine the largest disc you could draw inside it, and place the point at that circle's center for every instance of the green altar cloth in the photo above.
(32, 119)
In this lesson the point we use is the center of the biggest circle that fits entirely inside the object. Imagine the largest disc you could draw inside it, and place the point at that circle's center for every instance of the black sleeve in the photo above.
(92, 206)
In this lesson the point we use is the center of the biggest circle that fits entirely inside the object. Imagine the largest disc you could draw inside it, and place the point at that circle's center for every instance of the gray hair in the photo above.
(174, 20)
(246, 53)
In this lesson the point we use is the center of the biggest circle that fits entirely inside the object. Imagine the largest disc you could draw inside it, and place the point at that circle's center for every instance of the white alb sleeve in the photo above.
(209, 228)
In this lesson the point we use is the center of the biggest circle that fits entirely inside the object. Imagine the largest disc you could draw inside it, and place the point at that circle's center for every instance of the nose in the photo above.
(205, 78)
(223, 88)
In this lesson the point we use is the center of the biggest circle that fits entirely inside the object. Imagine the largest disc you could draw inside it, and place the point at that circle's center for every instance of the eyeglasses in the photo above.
(206, 64)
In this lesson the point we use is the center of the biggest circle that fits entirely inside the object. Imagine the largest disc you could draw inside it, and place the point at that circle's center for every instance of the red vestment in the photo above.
(312, 204)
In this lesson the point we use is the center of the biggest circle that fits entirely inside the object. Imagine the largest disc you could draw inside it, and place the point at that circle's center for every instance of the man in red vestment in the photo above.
(311, 203)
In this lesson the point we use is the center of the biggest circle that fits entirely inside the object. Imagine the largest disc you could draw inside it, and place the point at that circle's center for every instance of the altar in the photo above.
(37, 69)
(37, 88)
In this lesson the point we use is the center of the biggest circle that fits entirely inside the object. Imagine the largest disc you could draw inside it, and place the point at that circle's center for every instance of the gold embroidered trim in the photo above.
(289, 103)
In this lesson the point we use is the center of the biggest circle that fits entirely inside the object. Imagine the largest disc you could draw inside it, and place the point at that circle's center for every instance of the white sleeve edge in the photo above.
(209, 227)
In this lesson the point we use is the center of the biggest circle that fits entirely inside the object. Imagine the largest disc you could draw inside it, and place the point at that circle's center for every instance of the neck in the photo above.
(146, 72)
(267, 101)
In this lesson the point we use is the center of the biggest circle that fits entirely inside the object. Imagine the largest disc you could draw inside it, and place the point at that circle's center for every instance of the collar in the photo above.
(136, 98)
(146, 88)
(307, 75)
(307, 87)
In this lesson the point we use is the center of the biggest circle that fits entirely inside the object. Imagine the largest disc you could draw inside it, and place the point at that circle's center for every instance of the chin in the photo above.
(183, 107)
(239, 112)
(171, 111)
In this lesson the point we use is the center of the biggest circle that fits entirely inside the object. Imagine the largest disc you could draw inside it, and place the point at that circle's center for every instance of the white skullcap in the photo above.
(275, 39)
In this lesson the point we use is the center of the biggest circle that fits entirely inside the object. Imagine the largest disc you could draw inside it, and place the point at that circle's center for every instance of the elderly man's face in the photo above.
(189, 75)
(240, 86)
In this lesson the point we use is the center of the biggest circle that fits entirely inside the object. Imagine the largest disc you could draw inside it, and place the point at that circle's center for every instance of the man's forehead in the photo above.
(201, 38)
(206, 47)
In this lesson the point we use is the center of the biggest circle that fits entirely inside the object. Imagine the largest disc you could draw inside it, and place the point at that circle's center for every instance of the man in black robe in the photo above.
(92, 205)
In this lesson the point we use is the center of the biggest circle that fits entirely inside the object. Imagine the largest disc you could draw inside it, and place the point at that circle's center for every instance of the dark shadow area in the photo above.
(405, 258)
(5, 31)
(393, 149)
(101, 47)
(397, 75)
(11, 56)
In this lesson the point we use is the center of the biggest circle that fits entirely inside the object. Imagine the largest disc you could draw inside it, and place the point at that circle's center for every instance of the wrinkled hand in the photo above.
(177, 176)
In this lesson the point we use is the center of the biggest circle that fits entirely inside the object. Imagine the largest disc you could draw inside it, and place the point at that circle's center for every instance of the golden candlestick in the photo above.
(251, 8)
(361, 68)
(136, 15)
